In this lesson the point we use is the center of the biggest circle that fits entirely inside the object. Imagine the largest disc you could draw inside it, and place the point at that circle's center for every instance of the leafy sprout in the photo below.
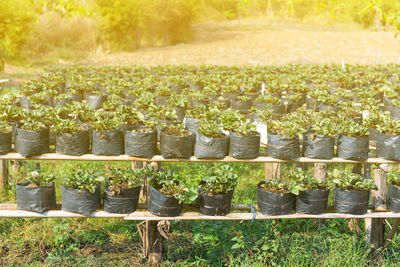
(82, 179)
(177, 130)
(278, 186)
(220, 179)
(393, 177)
(246, 129)
(353, 181)
(122, 178)
(210, 129)
(167, 183)
(39, 178)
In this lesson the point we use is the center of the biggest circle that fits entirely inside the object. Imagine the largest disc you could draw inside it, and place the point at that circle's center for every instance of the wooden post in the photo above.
(273, 170)
(376, 231)
(152, 241)
(320, 171)
(379, 196)
(152, 233)
(3, 174)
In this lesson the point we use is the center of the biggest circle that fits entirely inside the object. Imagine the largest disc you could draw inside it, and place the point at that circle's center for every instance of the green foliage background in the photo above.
(29, 27)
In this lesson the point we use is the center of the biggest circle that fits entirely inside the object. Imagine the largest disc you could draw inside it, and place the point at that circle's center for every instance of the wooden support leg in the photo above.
(379, 196)
(377, 238)
(3, 174)
(153, 234)
(273, 170)
(376, 227)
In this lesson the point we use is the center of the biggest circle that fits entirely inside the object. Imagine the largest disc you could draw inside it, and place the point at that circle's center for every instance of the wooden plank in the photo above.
(159, 158)
(55, 214)
(144, 215)
(147, 216)
(143, 206)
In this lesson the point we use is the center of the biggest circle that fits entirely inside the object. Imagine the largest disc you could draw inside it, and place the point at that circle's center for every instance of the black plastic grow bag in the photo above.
(353, 148)
(180, 113)
(142, 145)
(39, 199)
(318, 146)
(394, 111)
(282, 147)
(75, 144)
(351, 201)
(388, 146)
(126, 201)
(162, 100)
(29, 143)
(192, 124)
(162, 205)
(108, 143)
(176, 146)
(79, 201)
(393, 198)
(95, 101)
(215, 205)
(5, 143)
(210, 147)
(244, 147)
(24, 102)
(312, 201)
(270, 203)
(242, 106)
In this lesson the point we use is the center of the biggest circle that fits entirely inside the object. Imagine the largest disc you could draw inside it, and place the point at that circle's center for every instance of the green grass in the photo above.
(114, 242)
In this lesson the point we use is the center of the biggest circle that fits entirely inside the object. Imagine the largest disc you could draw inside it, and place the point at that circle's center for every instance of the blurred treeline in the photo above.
(33, 27)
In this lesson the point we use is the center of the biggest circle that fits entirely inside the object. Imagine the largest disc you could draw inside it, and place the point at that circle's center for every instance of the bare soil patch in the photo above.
(263, 45)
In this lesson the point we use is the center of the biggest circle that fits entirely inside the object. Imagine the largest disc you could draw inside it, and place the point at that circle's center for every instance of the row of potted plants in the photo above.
(210, 136)
(348, 105)
(300, 192)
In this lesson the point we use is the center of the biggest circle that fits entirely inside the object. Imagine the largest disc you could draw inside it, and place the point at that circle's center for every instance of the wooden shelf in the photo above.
(55, 214)
(159, 158)
(147, 216)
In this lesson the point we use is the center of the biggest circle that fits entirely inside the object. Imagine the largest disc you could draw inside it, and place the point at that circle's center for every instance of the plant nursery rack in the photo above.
(149, 229)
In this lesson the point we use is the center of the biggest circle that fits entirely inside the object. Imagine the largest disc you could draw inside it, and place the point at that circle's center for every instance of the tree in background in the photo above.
(127, 24)
(16, 22)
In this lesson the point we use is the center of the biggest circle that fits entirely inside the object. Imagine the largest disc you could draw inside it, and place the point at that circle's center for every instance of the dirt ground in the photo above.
(254, 42)
(263, 45)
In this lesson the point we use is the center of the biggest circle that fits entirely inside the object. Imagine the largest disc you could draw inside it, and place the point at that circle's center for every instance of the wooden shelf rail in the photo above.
(147, 216)
(159, 158)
